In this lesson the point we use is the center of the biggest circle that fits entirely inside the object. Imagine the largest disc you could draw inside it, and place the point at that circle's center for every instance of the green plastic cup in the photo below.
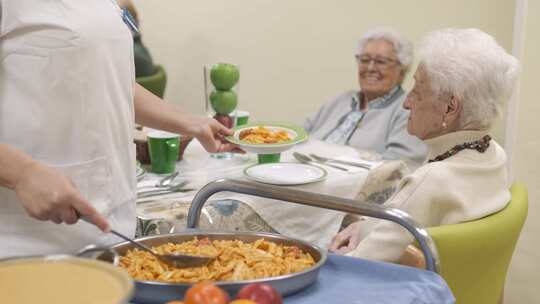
(242, 118)
(163, 147)
(268, 158)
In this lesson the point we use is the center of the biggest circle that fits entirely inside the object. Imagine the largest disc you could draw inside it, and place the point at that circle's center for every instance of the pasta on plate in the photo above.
(235, 261)
(262, 135)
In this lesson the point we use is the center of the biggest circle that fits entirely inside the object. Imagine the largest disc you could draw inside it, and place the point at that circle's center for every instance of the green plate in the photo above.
(296, 133)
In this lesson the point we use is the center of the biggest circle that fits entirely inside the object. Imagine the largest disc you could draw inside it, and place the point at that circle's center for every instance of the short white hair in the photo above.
(472, 66)
(402, 45)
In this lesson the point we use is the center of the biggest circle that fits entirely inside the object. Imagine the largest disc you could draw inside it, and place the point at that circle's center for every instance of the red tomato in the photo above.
(205, 293)
(260, 294)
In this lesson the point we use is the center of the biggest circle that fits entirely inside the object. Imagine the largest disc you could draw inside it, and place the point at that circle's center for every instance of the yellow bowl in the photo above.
(63, 280)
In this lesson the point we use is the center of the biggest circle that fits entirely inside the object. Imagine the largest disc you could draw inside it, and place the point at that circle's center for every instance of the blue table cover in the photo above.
(350, 280)
(346, 280)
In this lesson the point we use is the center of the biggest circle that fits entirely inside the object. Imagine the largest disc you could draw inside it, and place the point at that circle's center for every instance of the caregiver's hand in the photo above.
(48, 195)
(211, 134)
(347, 240)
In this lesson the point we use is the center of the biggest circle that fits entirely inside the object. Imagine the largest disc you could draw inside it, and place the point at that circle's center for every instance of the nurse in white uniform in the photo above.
(68, 102)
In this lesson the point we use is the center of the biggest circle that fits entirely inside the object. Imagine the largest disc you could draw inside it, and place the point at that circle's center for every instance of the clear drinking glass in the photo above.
(221, 83)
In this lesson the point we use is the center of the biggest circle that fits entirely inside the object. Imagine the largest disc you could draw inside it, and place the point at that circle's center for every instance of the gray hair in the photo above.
(402, 45)
(472, 66)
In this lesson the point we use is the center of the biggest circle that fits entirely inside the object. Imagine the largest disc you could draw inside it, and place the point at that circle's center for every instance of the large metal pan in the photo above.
(159, 292)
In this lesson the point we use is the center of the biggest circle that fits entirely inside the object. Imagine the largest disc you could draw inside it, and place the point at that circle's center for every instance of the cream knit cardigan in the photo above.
(463, 187)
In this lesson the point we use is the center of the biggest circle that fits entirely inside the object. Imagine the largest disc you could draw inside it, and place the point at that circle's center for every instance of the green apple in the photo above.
(224, 76)
(223, 102)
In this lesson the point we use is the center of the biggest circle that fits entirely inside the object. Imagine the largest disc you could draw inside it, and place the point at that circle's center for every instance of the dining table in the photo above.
(341, 279)
(311, 224)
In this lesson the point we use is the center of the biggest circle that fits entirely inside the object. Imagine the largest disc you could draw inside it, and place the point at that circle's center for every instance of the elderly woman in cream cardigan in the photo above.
(462, 79)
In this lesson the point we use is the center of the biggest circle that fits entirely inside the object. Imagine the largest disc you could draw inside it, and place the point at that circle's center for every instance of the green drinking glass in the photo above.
(163, 147)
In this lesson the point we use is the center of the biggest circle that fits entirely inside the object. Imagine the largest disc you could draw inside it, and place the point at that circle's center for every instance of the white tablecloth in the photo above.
(311, 224)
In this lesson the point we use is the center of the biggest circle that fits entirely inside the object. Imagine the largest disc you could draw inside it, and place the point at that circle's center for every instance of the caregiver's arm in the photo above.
(153, 112)
(44, 193)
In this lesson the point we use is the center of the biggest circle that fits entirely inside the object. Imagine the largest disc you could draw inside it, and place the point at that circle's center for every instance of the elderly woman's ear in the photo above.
(451, 117)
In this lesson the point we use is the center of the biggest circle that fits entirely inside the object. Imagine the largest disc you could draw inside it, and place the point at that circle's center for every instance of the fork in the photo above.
(344, 162)
(307, 160)
(164, 190)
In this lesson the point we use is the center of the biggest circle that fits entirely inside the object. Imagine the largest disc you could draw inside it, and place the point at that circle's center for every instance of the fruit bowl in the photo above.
(296, 135)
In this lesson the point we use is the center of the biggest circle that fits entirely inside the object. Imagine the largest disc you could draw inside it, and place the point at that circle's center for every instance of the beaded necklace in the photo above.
(480, 145)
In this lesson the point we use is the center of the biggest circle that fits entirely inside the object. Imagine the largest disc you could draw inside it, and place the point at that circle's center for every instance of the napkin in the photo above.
(382, 181)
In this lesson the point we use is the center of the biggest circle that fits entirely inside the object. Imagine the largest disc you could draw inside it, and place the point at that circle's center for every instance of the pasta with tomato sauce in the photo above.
(235, 261)
(262, 135)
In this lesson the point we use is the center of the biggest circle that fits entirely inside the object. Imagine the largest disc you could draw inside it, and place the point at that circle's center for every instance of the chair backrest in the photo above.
(475, 255)
(155, 83)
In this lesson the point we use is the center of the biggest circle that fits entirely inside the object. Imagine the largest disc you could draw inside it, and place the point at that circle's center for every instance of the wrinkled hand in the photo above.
(347, 240)
(211, 134)
(48, 195)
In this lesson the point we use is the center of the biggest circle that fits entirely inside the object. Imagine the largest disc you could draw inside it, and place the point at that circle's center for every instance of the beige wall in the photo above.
(296, 54)
(524, 277)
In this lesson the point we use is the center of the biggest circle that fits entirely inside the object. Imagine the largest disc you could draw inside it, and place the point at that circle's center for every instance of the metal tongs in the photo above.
(176, 260)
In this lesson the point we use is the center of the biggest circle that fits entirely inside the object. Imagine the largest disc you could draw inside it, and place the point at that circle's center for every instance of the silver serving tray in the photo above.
(160, 292)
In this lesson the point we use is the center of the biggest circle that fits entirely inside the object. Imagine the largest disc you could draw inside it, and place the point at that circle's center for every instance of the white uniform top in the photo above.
(66, 99)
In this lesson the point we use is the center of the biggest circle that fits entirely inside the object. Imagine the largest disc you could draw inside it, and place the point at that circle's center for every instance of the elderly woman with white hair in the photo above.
(462, 79)
(373, 118)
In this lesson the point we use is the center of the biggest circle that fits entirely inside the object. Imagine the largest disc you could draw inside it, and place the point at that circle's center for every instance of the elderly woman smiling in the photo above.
(373, 118)
(462, 79)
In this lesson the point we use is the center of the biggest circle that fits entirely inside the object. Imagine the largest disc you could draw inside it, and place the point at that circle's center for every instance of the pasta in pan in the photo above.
(262, 135)
(235, 261)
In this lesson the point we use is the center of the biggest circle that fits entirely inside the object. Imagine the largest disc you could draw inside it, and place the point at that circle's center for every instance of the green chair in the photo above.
(475, 255)
(155, 83)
